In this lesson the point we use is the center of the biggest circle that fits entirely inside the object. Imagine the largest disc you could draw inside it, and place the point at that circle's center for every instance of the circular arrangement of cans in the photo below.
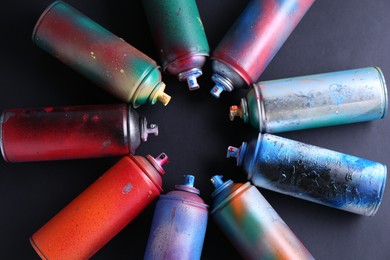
(279, 164)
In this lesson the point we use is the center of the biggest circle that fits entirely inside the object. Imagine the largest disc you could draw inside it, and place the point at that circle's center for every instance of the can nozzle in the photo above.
(217, 181)
(147, 129)
(232, 152)
(217, 90)
(189, 180)
(161, 159)
(159, 94)
(158, 162)
(219, 184)
(164, 98)
(221, 83)
(191, 77)
(235, 111)
(237, 153)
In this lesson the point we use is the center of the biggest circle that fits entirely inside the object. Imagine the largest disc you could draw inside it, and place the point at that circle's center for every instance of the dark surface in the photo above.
(194, 128)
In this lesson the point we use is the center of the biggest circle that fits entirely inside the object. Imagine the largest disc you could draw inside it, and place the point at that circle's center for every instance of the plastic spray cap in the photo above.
(189, 180)
(221, 83)
(191, 77)
(164, 98)
(147, 129)
(237, 153)
(217, 90)
(235, 111)
(219, 184)
(158, 162)
(217, 181)
(159, 94)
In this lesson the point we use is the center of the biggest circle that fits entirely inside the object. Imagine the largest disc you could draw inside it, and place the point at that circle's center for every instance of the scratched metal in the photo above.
(326, 99)
(253, 40)
(179, 36)
(313, 173)
(101, 56)
(179, 224)
(252, 225)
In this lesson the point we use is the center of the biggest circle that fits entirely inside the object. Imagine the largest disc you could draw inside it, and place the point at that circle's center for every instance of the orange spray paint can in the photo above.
(94, 217)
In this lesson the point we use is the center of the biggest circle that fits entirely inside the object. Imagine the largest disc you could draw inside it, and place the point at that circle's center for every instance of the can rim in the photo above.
(231, 196)
(381, 192)
(186, 201)
(42, 16)
(384, 89)
(1, 137)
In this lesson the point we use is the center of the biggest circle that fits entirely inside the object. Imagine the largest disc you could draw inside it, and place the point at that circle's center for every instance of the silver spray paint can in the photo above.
(312, 173)
(326, 99)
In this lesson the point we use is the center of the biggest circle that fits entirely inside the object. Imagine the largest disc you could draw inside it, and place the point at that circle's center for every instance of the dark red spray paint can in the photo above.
(56, 133)
(93, 218)
(253, 40)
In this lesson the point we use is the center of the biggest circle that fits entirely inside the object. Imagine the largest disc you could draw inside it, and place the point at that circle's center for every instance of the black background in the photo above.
(194, 128)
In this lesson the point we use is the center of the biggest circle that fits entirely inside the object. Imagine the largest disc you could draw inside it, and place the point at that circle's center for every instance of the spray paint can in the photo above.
(179, 37)
(253, 40)
(326, 99)
(104, 58)
(93, 218)
(312, 173)
(251, 224)
(57, 133)
(179, 224)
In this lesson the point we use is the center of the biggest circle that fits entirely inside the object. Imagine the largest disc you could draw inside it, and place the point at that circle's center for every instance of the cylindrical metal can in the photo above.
(101, 56)
(74, 132)
(326, 99)
(94, 217)
(179, 37)
(253, 40)
(251, 224)
(313, 173)
(179, 224)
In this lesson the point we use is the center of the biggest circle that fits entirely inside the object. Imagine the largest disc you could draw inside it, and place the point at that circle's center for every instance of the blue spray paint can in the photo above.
(326, 99)
(312, 173)
(251, 224)
(179, 224)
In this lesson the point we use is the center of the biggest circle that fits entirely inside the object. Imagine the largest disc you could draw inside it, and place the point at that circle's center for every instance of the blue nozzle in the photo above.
(191, 77)
(237, 153)
(189, 180)
(217, 90)
(217, 181)
(232, 152)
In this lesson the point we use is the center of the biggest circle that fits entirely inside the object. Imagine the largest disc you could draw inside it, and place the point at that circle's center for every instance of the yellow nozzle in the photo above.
(164, 98)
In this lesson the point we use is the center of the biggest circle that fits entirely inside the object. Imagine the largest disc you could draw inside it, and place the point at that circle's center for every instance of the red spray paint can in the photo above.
(56, 133)
(93, 218)
(253, 40)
